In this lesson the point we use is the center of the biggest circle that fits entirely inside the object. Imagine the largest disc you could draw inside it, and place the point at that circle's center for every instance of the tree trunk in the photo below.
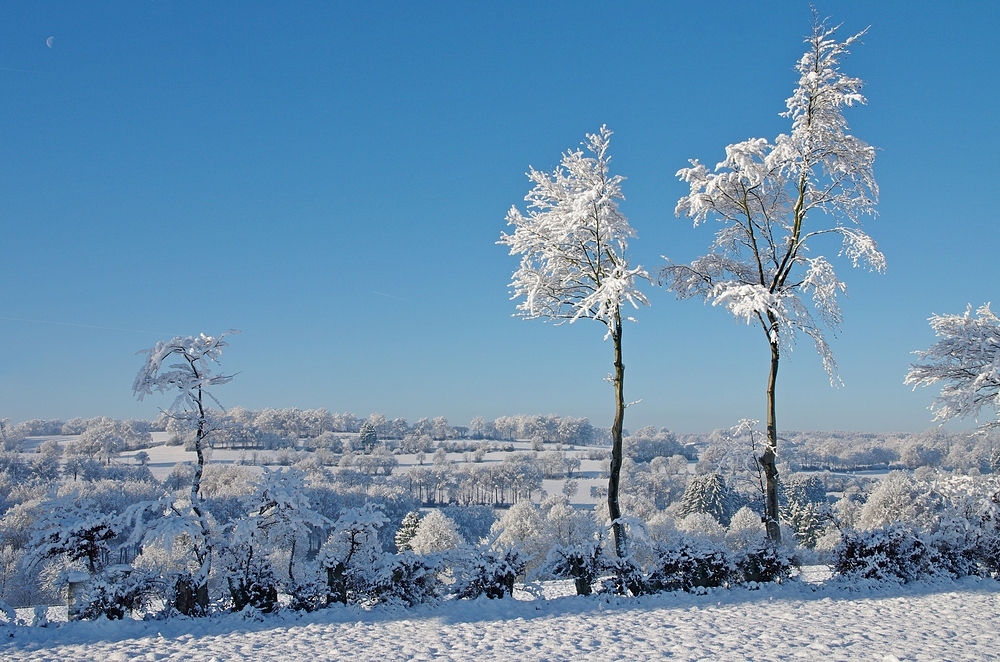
(769, 458)
(200, 580)
(614, 480)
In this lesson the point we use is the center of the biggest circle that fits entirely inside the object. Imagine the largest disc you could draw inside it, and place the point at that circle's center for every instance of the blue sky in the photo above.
(331, 179)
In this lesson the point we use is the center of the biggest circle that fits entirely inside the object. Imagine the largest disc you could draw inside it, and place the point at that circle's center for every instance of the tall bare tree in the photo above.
(573, 245)
(776, 203)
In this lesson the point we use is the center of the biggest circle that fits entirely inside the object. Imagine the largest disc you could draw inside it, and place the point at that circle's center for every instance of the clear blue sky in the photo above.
(331, 179)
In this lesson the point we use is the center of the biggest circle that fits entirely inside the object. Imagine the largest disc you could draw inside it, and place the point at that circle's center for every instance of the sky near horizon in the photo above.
(331, 179)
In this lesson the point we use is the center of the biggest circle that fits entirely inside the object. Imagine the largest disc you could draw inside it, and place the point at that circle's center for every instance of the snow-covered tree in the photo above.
(966, 359)
(707, 494)
(573, 245)
(11, 437)
(776, 202)
(106, 437)
(407, 529)
(576, 545)
(368, 437)
(893, 500)
(521, 527)
(191, 376)
(745, 530)
(352, 555)
(436, 533)
(280, 508)
(76, 530)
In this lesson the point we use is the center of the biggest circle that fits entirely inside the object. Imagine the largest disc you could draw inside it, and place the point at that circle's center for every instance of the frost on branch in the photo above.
(191, 374)
(192, 378)
(573, 241)
(966, 359)
(573, 244)
(775, 200)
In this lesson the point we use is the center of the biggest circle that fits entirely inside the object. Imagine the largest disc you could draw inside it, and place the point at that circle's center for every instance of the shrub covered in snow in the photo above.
(583, 563)
(353, 557)
(436, 533)
(409, 579)
(490, 572)
(118, 591)
(891, 552)
(693, 563)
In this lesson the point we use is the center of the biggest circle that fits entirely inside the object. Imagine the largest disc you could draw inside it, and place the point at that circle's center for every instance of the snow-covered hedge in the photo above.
(910, 529)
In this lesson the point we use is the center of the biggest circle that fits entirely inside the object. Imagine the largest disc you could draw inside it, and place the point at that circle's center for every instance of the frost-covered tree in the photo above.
(436, 533)
(707, 494)
(107, 437)
(191, 376)
(775, 203)
(76, 530)
(407, 529)
(280, 508)
(892, 500)
(521, 528)
(573, 245)
(966, 359)
(368, 437)
(11, 437)
(352, 555)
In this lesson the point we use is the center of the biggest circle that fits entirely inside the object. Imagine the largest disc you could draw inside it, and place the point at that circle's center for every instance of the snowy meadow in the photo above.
(925, 621)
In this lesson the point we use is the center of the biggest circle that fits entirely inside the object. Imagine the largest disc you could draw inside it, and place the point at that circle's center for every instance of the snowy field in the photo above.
(806, 621)
(163, 458)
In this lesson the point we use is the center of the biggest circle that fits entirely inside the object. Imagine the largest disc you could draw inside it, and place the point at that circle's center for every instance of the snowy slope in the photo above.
(924, 621)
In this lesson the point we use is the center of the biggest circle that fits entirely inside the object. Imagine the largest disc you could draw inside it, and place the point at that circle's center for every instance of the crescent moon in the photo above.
(48, 42)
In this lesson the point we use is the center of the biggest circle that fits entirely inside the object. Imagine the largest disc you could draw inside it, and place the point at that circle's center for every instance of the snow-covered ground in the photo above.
(163, 458)
(796, 621)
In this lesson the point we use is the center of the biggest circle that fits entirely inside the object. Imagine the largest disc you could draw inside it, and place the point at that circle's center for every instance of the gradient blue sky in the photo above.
(331, 179)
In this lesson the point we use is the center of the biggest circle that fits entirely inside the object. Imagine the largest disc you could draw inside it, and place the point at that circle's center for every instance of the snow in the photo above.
(806, 620)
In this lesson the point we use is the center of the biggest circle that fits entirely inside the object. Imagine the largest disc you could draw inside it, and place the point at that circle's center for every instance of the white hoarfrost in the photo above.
(436, 533)
(192, 377)
(776, 200)
(573, 241)
(573, 244)
(966, 360)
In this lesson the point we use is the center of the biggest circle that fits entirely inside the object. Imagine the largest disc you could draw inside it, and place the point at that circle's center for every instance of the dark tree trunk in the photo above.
(205, 555)
(614, 480)
(769, 458)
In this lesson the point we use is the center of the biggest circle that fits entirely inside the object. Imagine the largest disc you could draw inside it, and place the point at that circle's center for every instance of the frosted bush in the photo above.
(762, 561)
(521, 527)
(409, 579)
(691, 564)
(352, 555)
(436, 533)
(893, 500)
(662, 528)
(490, 572)
(583, 563)
(892, 552)
(746, 530)
(567, 526)
(702, 525)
